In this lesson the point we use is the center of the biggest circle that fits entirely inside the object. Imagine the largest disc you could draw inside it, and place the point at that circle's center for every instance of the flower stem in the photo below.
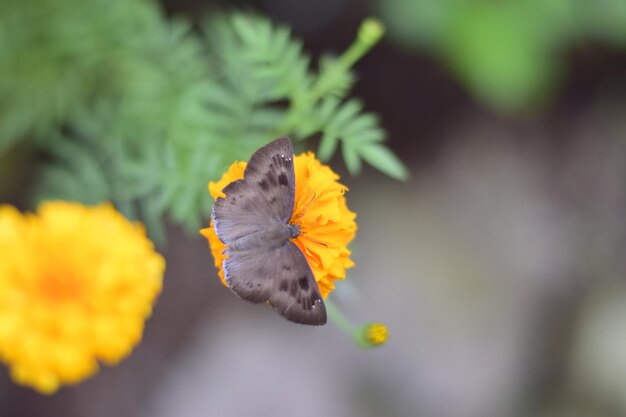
(338, 318)
(370, 32)
(367, 336)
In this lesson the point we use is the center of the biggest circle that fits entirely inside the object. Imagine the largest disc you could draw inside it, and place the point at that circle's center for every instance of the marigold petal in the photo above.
(235, 172)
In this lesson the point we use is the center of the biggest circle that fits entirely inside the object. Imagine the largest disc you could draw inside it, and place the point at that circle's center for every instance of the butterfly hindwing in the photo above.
(248, 273)
(296, 294)
(266, 193)
(281, 276)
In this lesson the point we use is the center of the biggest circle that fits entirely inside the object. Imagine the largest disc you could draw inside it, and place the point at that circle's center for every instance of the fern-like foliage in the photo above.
(144, 112)
(270, 68)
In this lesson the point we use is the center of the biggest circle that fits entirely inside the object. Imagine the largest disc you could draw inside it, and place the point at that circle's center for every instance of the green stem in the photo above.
(338, 318)
(370, 32)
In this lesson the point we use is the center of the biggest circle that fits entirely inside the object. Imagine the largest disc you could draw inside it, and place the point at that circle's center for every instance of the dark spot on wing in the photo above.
(264, 185)
(271, 178)
(293, 289)
(274, 199)
(286, 267)
(282, 179)
(304, 283)
(284, 285)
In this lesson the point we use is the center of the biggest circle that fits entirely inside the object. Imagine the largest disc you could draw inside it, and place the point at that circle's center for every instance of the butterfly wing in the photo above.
(281, 276)
(264, 195)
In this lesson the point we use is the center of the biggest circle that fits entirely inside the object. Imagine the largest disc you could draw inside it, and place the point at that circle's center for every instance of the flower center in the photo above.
(60, 286)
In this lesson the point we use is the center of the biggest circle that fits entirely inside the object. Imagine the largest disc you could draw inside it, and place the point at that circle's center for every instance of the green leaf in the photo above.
(352, 160)
(346, 113)
(327, 148)
(327, 108)
(383, 159)
(363, 123)
(369, 136)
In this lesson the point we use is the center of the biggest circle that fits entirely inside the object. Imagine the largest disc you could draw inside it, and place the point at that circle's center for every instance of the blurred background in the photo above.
(499, 266)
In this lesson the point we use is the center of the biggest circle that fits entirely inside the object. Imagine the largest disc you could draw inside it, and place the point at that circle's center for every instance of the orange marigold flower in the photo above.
(327, 225)
(76, 285)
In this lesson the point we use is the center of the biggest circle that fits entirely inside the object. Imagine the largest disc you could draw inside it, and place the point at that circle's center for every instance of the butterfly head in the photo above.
(294, 230)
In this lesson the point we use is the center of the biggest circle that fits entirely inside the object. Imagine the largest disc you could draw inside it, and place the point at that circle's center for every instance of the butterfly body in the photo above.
(263, 263)
(275, 235)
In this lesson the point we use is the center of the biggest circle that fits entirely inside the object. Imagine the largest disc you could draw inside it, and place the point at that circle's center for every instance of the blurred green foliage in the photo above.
(507, 53)
(132, 107)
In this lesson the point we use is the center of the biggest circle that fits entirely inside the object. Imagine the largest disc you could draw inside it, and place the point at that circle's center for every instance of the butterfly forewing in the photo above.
(264, 195)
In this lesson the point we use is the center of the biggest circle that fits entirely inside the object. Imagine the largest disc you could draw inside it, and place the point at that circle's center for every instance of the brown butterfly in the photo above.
(263, 264)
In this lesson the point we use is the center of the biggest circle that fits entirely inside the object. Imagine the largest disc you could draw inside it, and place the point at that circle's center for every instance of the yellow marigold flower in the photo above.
(76, 285)
(327, 225)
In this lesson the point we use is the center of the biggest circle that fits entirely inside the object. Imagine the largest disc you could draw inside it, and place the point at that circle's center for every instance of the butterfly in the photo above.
(263, 263)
